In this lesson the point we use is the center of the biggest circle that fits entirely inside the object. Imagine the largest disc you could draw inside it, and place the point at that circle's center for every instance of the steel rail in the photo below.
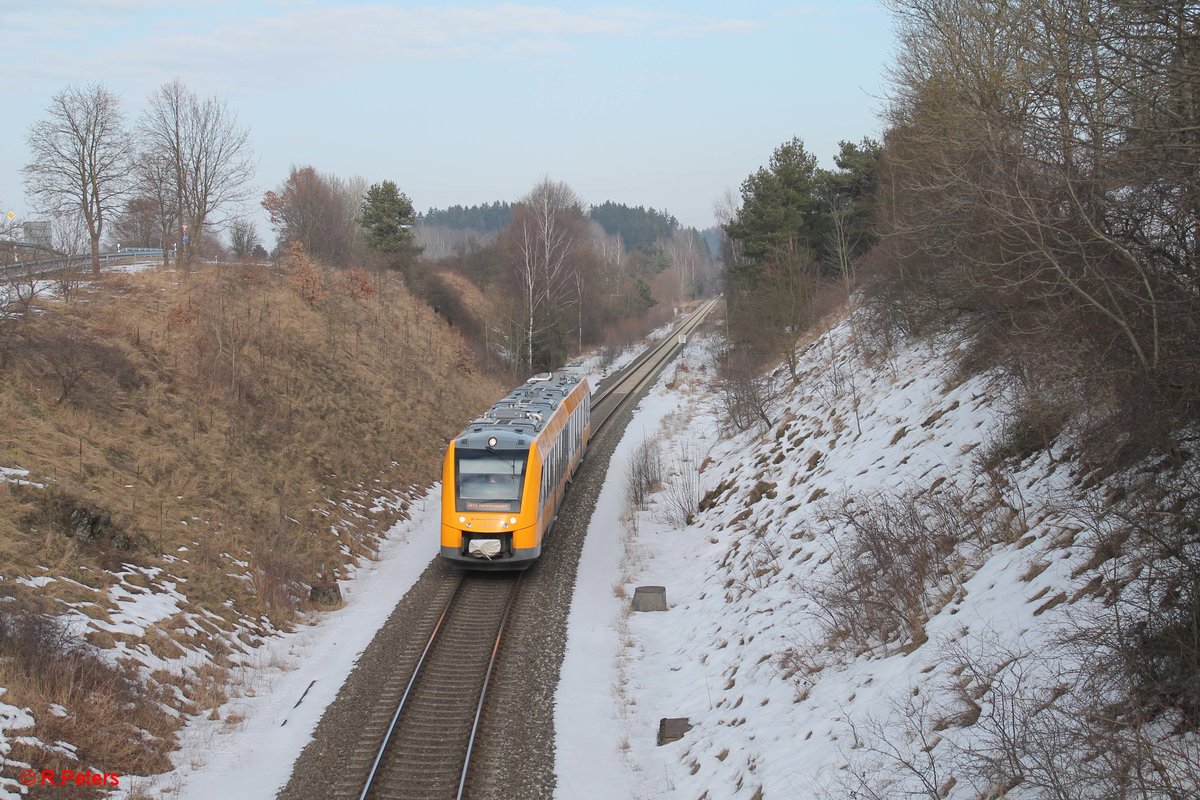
(654, 358)
(387, 737)
(487, 679)
(669, 341)
(458, 609)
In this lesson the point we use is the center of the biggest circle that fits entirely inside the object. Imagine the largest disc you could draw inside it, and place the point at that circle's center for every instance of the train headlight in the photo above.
(492, 442)
(462, 519)
(503, 524)
(512, 520)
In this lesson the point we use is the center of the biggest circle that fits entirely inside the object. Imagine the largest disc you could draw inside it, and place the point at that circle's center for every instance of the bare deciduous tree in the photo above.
(80, 158)
(209, 156)
(154, 177)
(243, 238)
(322, 212)
(136, 224)
(844, 241)
(350, 192)
(549, 217)
(749, 394)
(20, 288)
(1042, 159)
(613, 258)
(441, 241)
(70, 238)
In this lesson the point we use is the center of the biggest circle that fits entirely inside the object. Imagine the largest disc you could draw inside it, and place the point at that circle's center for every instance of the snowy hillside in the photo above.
(805, 663)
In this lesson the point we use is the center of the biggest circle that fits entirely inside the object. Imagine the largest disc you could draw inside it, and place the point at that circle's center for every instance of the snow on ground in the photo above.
(772, 714)
(589, 724)
(248, 753)
(279, 690)
(17, 290)
(11, 718)
(19, 476)
(133, 266)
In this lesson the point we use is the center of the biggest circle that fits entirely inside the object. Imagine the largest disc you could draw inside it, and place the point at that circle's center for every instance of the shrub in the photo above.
(359, 284)
(682, 492)
(645, 473)
(1150, 633)
(304, 276)
(749, 391)
(896, 559)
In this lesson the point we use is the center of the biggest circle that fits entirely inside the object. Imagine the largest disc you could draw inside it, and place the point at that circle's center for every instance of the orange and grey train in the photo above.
(504, 476)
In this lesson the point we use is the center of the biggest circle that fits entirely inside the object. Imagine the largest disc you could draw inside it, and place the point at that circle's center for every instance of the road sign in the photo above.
(11, 216)
(185, 238)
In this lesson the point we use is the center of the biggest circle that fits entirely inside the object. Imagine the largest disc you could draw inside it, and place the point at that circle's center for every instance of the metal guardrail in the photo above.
(50, 264)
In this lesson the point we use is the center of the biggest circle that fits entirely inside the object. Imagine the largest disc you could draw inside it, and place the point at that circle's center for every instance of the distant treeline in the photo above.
(638, 226)
(486, 218)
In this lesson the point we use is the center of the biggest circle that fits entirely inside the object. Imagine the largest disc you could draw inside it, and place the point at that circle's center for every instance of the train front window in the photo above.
(489, 480)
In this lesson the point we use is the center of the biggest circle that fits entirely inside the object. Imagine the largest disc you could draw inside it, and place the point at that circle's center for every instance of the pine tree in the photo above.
(387, 217)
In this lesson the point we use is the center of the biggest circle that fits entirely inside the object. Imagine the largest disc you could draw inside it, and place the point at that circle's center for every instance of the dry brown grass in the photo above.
(230, 422)
(219, 426)
(110, 718)
(897, 559)
(471, 298)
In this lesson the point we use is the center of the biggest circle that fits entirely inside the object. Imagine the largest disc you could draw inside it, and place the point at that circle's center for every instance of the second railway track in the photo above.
(646, 368)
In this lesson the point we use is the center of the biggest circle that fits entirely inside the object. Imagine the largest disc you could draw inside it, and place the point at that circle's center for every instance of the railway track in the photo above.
(646, 368)
(426, 751)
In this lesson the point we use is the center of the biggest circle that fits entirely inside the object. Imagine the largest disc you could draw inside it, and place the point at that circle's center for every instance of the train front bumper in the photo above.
(518, 559)
(488, 550)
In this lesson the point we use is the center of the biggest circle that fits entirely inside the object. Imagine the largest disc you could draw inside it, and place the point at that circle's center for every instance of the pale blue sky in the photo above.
(663, 104)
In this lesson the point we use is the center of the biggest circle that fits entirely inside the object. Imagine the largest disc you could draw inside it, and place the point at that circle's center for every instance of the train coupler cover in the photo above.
(485, 548)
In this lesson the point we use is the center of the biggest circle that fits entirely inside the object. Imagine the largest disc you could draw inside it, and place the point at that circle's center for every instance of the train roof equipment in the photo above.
(517, 418)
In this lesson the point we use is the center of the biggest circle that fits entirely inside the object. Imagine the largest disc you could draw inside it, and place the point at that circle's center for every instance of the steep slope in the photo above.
(181, 456)
(869, 600)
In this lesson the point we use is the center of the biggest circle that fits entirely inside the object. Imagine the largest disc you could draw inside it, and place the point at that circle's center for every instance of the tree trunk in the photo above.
(95, 241)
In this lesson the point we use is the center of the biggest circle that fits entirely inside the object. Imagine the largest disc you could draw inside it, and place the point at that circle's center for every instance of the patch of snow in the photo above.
(136, 266)
(36, 583)
(19, 476)
(12, 719)
(137, 608)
